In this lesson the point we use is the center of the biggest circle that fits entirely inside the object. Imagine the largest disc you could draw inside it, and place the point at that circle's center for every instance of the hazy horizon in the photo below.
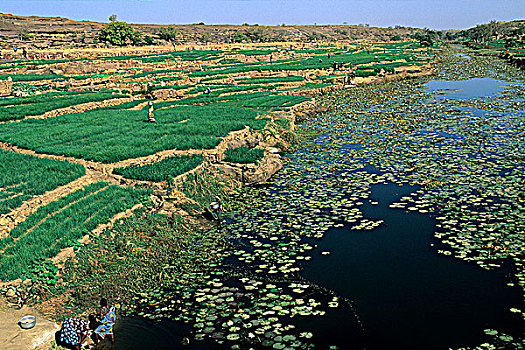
(434, 14)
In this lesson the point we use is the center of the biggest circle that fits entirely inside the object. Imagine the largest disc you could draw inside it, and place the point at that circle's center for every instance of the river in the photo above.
(398, 225)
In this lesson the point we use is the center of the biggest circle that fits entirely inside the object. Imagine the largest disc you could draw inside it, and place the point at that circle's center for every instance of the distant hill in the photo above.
(54, 32)
(496, 31)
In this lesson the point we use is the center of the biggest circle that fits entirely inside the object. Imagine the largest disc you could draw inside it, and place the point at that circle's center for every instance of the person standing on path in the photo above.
(151, 117)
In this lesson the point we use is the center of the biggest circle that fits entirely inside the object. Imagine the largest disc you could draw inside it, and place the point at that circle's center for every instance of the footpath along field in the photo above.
(222, 115)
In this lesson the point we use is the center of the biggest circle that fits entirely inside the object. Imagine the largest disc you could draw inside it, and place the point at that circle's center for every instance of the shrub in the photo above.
(168, 33)
(119, 33)
(148, 40)
(239, 37)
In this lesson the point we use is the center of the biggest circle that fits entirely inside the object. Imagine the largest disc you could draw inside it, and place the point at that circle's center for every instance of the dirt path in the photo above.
(12, 337)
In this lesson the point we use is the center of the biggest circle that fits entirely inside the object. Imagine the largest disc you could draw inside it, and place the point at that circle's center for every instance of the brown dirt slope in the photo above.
(12, 337)
(57, 32)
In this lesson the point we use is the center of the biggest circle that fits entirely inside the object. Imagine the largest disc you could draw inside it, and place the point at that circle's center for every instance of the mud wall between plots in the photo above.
(6, 87)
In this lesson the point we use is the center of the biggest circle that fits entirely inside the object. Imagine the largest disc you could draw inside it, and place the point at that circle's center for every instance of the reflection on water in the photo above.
(462, 55)
(465, 89)
(405, 294)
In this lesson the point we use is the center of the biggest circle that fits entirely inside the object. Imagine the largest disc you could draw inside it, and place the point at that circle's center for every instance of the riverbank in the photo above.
(188, 194)
(14, 338)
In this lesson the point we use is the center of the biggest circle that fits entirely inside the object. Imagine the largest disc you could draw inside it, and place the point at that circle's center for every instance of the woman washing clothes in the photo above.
(107, 320)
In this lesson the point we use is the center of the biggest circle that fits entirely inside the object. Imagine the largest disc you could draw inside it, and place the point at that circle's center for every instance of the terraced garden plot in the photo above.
(244, 155)
(271, 101)
(260, 100)
(315, 62)
(19, 108)
(32, 77)
(161, 171)
(23, 176)
(269, 80)
(60, 224)
(113, 135)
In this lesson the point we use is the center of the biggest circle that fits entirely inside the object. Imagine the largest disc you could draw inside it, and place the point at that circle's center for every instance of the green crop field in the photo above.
(112, 135)
(32, 77)
(18, 108)
(270, 80)
(159, 256)
(197, 119)
(244, 155)
(59, 224)
(24, 176)
(161, 171)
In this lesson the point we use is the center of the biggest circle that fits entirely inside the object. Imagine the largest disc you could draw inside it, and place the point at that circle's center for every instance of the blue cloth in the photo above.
(108, 321)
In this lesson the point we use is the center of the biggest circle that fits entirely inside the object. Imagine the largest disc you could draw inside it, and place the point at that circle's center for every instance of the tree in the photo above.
(426, 38)
(205, 37)
(239, 37)
(450, 36)
(149, 40)
(120, 33)
(493, 28)
(168, 33)
(136, 37)
(481, 32)
(113, 18)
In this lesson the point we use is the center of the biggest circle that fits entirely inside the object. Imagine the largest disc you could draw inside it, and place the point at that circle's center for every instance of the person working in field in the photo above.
(151, 117)
(107, 320)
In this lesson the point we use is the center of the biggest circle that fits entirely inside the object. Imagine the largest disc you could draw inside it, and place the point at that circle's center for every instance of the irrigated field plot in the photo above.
(24, 176)
(110, 136)
(59, 224)
(161, 171)
(18, 108)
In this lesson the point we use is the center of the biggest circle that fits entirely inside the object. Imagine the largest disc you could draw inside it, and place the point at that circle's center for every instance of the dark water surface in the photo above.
(136, 333)
(405, 294)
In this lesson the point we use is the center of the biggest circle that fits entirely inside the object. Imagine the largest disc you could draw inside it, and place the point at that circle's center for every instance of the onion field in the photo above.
(110, 136)
(24, 176)
(59, 224)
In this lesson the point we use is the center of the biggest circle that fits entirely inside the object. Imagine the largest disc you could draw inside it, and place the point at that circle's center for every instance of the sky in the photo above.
(434, 14)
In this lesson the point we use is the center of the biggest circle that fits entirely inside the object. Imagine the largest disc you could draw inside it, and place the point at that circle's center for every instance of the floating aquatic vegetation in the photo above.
(466, 156)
